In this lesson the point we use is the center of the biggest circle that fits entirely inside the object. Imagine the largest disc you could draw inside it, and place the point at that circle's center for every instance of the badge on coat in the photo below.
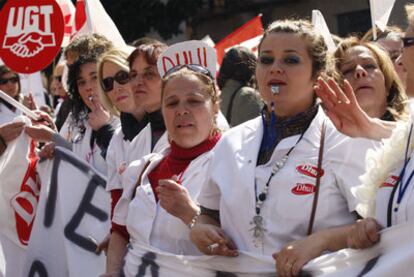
(309, 170)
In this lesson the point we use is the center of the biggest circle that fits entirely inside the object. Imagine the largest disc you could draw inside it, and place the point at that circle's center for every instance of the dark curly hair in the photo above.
(78, 108)
(239, 63)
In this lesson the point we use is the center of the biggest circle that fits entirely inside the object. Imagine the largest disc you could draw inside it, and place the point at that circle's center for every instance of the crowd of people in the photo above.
(267, 158)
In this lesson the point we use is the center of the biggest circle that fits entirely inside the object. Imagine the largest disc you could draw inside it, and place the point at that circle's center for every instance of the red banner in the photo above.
(249, 30)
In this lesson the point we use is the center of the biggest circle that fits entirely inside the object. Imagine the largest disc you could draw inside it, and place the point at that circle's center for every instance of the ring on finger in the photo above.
(212, 246)
(339, 102)
(289, 266)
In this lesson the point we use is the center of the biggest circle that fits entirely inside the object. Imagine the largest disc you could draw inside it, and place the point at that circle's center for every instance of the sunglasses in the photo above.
(13, 80)
(121, 77)
(193, 67)
(408, 41)
(58, 78)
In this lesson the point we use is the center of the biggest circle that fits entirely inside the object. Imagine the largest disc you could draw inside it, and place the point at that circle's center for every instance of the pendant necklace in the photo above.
(258, 230)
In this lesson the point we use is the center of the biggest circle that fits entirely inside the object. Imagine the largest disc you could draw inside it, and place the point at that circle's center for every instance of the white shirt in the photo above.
(7, 115)
(81, 143)
(121, 152)
(230, 187)
(147, 222)
(405, 211)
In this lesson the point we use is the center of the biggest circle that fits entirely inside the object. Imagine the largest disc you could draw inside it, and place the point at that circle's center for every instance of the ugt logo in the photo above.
(31, 34)
(28, 30)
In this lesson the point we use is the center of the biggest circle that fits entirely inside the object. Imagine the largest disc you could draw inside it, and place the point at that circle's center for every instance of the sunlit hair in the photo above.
(316, 46)
(390, 33)
(150, 52)
(210, 86)
(85, 44)
(4, 70)
(120, 59)
(396, 96)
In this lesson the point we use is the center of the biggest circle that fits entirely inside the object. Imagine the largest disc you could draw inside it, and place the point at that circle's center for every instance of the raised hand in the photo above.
(176, 200)
(98, 116)
(345, 113)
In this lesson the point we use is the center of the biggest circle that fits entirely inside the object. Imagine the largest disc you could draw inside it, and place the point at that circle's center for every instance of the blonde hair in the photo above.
(119, 58)
(396, 96)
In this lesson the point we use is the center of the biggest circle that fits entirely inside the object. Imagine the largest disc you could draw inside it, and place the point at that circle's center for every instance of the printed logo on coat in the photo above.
(309, 170)
(25, 202)
(303, 189)
(390, 182)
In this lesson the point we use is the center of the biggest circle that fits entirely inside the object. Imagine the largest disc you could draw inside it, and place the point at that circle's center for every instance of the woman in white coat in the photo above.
(156, 206)
(89, 127)
(387, 191)
(290, 168)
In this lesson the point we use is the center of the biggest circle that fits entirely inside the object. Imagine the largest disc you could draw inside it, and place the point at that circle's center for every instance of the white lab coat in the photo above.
(230, 187)
(81, 144)
(405, 211)
(121, 152)
(146, 221)
(7, 115)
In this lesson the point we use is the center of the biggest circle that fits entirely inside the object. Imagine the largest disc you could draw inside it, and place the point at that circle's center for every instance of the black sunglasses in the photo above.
(193, 67)
(13, 80)
(121, 77)
(408, 41)
(58, 78)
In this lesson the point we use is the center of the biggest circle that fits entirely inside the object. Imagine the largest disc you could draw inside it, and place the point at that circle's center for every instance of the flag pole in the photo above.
(88, 16)
(374, 29)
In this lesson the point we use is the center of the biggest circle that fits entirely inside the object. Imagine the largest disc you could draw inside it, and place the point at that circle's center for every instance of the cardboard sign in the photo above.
(31, 34)
(188, 52)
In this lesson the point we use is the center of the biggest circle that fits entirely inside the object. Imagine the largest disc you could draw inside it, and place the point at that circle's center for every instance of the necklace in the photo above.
(258, 223)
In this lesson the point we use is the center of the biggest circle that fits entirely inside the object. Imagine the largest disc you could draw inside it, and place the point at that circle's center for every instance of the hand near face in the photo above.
(364, 233)
(175, 199)
(292, 257)
(342, 108)
(98, 117)
(29, 102)
(11, 131)
(212, 240)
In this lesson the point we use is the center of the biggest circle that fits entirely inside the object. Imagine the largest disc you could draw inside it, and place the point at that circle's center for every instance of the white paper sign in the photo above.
(188, 52)
(73, 211)
(392, 256)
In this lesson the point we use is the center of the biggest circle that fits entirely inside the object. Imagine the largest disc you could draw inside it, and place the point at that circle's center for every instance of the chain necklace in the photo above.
(258, 223)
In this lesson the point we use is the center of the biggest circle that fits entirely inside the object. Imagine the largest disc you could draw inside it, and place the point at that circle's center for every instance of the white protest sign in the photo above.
(380, 13)
(149, 261)
(188, 52)
(320, 27)
(32, 83)
(73, 212)
(19, 196)
(392, 256)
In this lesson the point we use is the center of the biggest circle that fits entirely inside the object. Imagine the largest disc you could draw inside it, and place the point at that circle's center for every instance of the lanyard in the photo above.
(401, 186)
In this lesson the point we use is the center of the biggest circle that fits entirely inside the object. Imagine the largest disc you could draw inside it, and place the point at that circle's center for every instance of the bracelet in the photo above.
(194, 219)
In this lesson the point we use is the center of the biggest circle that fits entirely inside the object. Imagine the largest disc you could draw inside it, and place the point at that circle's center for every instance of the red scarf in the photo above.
(177, 161)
